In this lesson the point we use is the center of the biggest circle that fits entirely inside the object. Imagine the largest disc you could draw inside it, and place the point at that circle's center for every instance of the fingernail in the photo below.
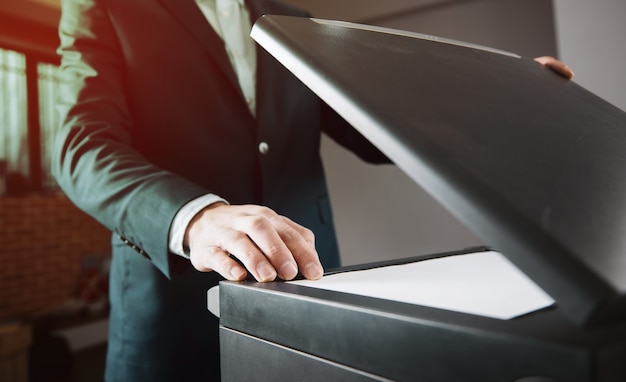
(313, 271)
(237, 273)
(266, 272)
(288, 271)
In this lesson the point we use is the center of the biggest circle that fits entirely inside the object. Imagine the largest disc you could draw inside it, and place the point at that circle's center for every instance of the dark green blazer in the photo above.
(153, 117)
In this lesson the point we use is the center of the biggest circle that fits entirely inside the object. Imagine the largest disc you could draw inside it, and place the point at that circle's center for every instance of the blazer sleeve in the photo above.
(94, 157)
(347, 136)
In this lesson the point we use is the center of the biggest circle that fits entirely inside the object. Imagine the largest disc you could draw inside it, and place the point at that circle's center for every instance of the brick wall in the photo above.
(44, 241)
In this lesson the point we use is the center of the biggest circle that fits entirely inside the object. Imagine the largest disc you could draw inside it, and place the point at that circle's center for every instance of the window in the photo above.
(49, 121)
(28, 90)
(13, 119)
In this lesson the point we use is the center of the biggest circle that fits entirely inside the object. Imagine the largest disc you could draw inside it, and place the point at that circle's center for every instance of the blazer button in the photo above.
(264, 148)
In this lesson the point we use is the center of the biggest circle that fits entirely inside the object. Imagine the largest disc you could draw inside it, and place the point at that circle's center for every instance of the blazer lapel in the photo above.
(192, 19)
(270, 74)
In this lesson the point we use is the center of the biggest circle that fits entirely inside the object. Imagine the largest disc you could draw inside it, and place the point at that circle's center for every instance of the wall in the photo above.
(44, 243)
(590, 37)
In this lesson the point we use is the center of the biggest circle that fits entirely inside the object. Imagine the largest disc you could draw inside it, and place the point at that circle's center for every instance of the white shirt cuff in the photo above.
(184, 217)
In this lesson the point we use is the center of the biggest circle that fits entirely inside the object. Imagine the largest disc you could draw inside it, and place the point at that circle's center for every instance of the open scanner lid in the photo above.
(532, 163)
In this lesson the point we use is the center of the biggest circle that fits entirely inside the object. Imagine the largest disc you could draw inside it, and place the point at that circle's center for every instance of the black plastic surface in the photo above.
(531, 162)
(263, 361)
(404, 342)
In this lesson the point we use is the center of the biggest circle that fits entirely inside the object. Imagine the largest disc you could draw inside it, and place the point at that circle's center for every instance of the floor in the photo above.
(51, 361)
(89, 364)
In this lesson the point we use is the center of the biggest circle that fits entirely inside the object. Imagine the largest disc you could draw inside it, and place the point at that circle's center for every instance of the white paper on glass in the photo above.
(482, 283)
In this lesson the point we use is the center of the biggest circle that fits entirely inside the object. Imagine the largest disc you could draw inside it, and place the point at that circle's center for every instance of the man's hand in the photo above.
(268, 244)
(556, 65)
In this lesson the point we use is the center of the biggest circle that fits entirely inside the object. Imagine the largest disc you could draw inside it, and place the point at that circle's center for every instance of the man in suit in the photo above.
(194, 154)
(158, 134)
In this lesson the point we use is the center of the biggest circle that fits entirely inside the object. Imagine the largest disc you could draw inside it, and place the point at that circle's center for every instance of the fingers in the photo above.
(556, 65)
(263, 246)
(286, 245)
(267, 244)
(215, 259)
(301, 241)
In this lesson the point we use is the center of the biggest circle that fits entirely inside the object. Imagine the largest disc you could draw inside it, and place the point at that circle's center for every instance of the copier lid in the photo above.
(533, 163)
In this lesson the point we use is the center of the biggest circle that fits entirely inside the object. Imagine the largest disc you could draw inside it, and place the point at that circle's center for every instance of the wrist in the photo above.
(194, 223)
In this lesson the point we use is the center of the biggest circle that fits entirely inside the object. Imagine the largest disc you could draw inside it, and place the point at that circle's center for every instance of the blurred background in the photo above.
(54, 259)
